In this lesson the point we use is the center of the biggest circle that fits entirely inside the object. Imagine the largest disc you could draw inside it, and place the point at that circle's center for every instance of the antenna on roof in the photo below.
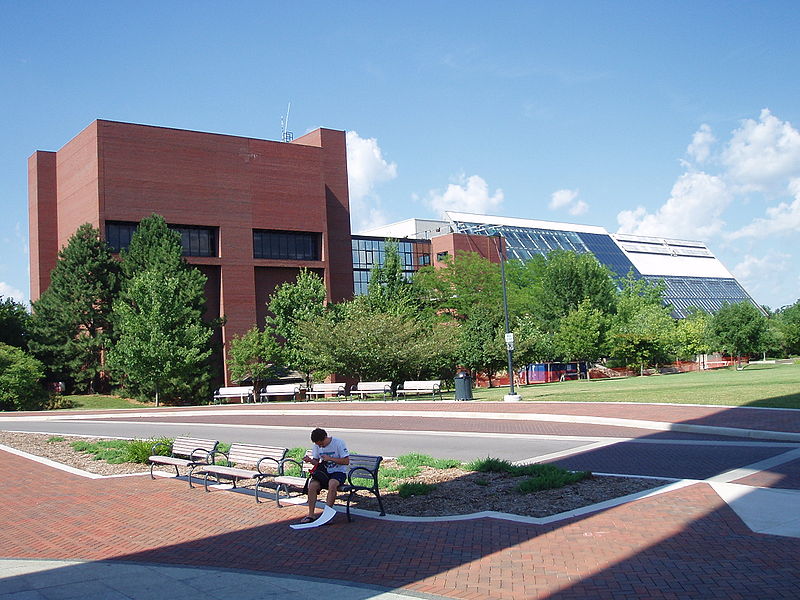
(286, 135)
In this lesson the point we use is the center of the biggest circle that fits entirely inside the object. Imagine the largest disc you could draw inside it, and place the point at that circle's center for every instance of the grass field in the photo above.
(776, 386)
(97, 401)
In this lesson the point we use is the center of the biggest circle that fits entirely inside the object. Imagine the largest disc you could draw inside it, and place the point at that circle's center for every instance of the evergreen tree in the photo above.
(389, 291)
(155, 246)
(71, 324)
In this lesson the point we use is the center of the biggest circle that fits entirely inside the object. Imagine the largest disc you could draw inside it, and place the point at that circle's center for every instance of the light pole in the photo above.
(512, 396)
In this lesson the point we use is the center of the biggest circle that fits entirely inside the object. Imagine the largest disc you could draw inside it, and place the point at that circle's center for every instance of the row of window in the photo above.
(202, 241)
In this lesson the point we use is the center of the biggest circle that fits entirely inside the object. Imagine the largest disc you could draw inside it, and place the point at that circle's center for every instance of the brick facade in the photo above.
(115, 171)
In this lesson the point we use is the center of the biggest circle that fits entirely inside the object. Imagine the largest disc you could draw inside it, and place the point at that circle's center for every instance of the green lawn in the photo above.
(98, 401)
(776, 386)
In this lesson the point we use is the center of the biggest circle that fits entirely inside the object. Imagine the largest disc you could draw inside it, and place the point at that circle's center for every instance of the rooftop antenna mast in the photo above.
(286, 135)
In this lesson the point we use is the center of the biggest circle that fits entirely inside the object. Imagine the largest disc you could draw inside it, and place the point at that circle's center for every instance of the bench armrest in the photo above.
(157, 445)
(282, 464)
(278, 466)
(373, 474)
(210, 457)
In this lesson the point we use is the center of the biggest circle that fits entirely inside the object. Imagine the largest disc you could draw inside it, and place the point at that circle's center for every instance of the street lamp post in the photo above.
(512, 396)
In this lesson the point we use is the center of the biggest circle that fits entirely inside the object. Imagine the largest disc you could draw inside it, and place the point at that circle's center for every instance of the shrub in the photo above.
(59, 402)
(112, 451)
(424, 460)
(415, 489)
(295, 454)
(490, 465)
(540, 476)
(387, 478)
(139, 451)
(551, 480)
(20, 374)
(55, 438)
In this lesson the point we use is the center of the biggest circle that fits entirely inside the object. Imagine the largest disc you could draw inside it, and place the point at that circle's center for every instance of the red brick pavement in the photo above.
(717, 416)
(684, 544)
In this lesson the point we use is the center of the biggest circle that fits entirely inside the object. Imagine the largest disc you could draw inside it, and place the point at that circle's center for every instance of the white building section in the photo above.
(675, 258)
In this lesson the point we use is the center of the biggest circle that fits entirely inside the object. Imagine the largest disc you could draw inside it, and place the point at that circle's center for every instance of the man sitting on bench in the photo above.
(330, 458)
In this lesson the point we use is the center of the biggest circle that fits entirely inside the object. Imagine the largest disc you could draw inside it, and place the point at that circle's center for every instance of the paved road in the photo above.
(626, 443)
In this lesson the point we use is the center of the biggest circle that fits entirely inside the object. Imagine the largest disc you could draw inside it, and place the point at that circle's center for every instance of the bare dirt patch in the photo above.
(456, 491)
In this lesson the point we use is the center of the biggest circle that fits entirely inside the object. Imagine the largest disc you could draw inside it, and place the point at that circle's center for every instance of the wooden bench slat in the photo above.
(432, 387)
(184, 452)
(362, 467)
(246, 455)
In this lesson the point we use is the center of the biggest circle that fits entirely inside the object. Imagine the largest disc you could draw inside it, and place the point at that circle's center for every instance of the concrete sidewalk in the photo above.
(50, 579)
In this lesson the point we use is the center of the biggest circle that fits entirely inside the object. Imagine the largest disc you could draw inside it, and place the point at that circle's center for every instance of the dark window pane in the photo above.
(281, 245)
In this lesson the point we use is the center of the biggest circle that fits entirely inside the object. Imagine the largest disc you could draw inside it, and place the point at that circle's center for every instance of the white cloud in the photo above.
(694, 210)
(568, 199)
(781, 219)
(468, 194)
(6, 291)
(562, 198)
(366, 168)
(768, 277)
(762, 155)
(754, 267)
(702, 140)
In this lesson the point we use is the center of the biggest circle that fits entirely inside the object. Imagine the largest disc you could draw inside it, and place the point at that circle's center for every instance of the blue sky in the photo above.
(661, 118)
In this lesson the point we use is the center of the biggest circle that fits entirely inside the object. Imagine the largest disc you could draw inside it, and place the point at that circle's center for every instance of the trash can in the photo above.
(463, 386)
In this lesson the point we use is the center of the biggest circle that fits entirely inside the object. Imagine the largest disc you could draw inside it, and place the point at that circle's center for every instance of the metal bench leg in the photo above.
(380, 502)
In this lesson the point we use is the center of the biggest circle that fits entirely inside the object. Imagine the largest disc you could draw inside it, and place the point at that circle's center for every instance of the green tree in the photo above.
(20, 380)
(71, 326)
(551, 287)
(163, 343)
(463, 285)
(14, 323)
(255, 355)
(353, 341)
(293, 303)
(533, 343)
(739, 329)
(389, 291)
(692, 334)
(481, 346)
(642, 331)
(788, 320)
(580, 333)
(156, 248)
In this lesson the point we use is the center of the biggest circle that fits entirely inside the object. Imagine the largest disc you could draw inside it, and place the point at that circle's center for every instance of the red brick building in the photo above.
(251, 212)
